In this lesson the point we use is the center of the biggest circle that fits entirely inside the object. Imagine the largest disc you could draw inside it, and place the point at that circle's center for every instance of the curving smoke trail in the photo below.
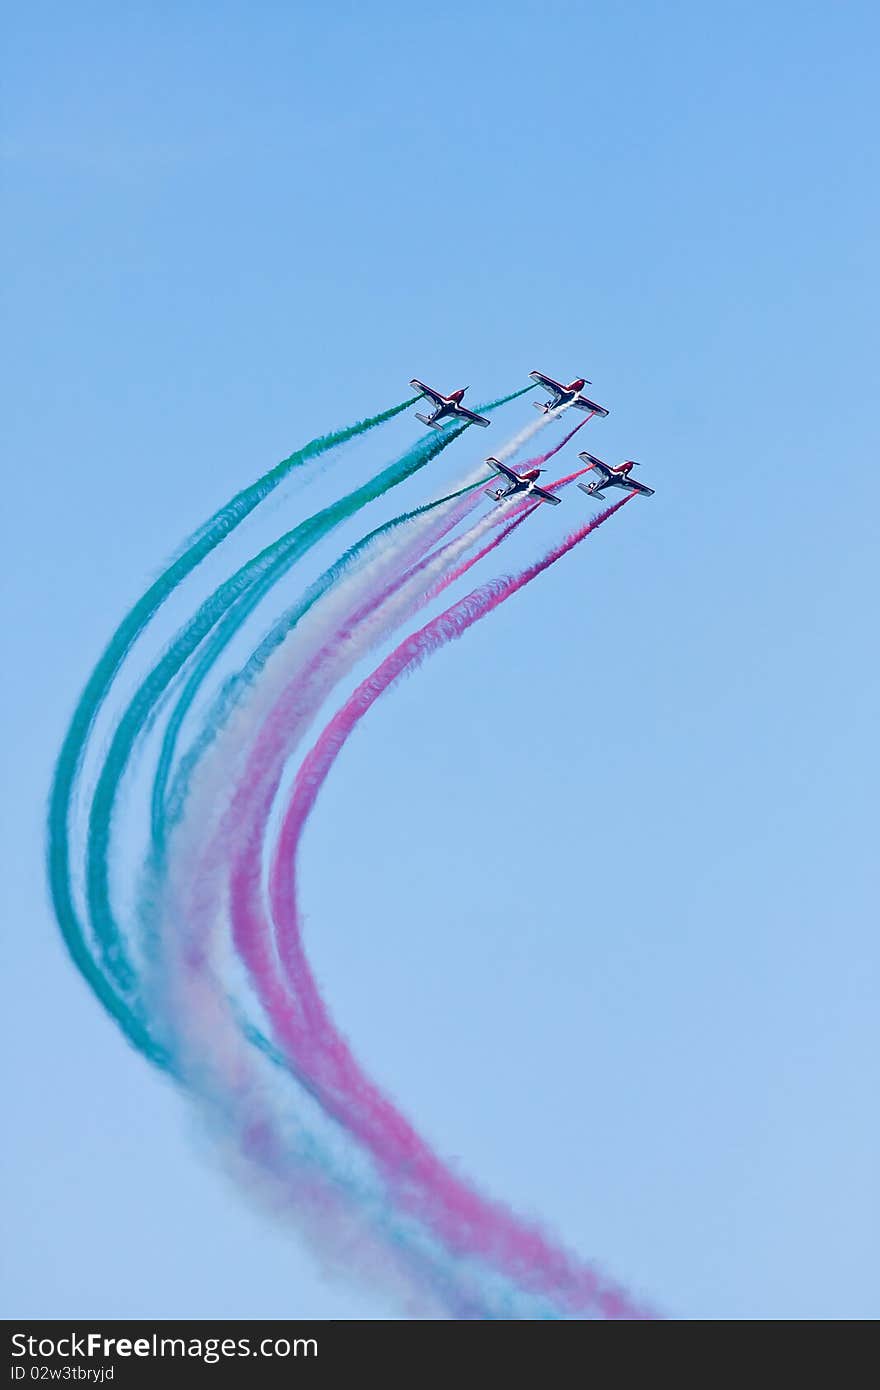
(365, 603)
(70, 759)
(253, 577)
(218, 989)
(302, 1164)
(387, 553)
(455, 1213)
(417, 1184)
(421, 1187)
(247, 585)
(520, 1256)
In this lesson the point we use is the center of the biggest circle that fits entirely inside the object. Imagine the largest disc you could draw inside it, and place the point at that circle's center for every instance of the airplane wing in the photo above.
(640, 488)
(584, 403)
(545, 496)
(472, 417)
(607, 473)
(427, 391)
(500, 467)
(547, 382)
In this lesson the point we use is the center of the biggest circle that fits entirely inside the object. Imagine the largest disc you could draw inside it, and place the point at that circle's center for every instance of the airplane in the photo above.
(446, 406)
(566, 395)
(519, 482)
(612, 477)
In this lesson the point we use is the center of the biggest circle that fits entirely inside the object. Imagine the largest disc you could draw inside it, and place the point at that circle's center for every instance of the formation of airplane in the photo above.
(526, 484)
(446, 407)
(612, 477)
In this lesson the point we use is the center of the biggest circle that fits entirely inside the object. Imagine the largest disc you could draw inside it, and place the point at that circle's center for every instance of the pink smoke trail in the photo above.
(462, 509)
(518, 511)
(467, 1223)
(544, 458)
(260, 959)
(251, 802)
(330, 656)
(286, 1161)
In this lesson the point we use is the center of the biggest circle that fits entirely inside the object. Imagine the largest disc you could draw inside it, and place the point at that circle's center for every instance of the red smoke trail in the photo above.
(252, 800)
(540, 459)
(447, 522)
(514, 515)
(543, 458)
(468, 1224)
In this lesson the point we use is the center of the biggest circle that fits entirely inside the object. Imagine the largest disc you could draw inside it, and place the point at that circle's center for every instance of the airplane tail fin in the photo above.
(592, 491)
(426, 420)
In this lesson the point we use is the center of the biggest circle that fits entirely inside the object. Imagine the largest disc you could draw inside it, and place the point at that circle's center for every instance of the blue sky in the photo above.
(226, 232)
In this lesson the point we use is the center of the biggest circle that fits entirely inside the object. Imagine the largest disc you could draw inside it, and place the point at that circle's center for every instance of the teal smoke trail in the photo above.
(274, 559)
(70, 758)
(418, 1184)
(345, 640)
(277, 557)
(167, 807)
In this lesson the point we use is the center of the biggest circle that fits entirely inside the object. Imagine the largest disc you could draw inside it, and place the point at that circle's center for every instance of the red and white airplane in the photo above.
(566, 395)
(446, 406)
(519, 482)
(612, 477)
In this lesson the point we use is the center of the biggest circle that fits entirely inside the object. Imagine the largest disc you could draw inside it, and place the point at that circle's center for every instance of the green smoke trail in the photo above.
(284, 552)
(129, 1014)
(164, 816)
(70, 758)
(281, 553)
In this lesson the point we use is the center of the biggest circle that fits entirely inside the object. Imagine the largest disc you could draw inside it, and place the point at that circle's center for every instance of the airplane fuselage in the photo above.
(443, 407)
(612, 477)
(619, 478)
(447, 405)
(526, 483)
(564, 395)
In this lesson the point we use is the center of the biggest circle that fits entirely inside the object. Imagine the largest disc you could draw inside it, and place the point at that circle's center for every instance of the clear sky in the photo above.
(650, 1017)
